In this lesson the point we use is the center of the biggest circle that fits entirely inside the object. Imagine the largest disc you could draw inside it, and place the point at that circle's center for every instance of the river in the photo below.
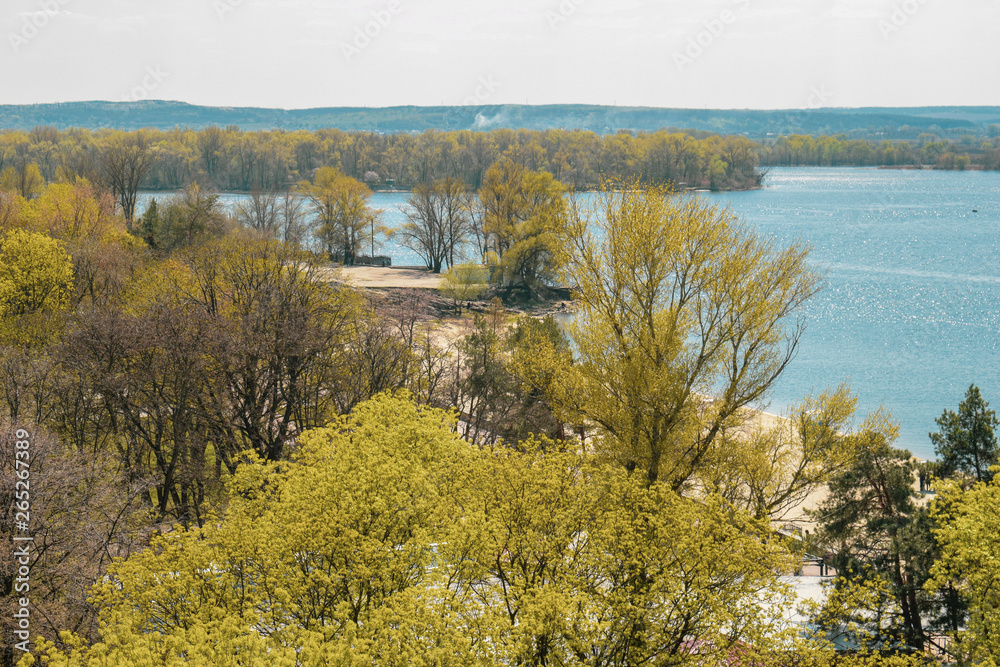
(910, 311)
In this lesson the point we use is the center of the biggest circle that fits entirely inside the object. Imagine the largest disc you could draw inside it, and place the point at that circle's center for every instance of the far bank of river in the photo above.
(910, 314)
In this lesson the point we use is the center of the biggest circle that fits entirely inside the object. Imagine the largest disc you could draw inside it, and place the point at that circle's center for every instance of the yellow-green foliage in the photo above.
(969, 536)
(315, 560)
(387, 540)
(678, 301)
(74, 211)
(465, 282)
(524, 217)
(341, 207)
(35, 274)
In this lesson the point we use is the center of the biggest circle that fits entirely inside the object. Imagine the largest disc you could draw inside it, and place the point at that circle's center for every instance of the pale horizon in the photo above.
(286, 54)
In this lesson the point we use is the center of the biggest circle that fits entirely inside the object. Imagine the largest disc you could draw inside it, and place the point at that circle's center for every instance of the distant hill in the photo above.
(874, 122)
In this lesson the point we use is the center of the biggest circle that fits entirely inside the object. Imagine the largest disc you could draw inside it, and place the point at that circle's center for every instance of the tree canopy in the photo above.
(966, 442)
(386, 539)
(685, 318)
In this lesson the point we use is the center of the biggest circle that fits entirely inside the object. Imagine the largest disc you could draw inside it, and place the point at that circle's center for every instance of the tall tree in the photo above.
(864, 524)
(966, 442)
(525, 219)
(340, 204)
(261, 211)
(968, 533)
(438, 222)
(125, 161)
(191, 216)
(685, 318)
(35, 273)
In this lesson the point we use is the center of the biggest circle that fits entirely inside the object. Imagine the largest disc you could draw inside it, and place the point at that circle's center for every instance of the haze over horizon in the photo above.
(721, 54)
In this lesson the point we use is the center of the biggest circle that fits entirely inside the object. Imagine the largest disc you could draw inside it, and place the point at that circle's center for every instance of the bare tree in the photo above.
(260, 212)
(478, 234)
(124, 164)
(294, 225)
(83, 515)
(438, 222)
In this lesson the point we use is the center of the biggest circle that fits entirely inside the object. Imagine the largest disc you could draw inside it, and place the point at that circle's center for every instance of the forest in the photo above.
(966, 152)
(237, 458)
(233, 160)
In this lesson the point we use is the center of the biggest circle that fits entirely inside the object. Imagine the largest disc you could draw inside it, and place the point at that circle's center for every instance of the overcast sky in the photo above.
(669, 53)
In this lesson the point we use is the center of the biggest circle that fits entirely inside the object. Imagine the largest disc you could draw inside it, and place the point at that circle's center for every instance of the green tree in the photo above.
(611, 572)
(965, 441)
(525, 219)
(150, 222)
(191, 217)
(36, 274)
(25, 179)
(685, 319)
(317, 561)
(866, 524)
(340, 204)
(968, 533)
(769, 470)
(464, 282)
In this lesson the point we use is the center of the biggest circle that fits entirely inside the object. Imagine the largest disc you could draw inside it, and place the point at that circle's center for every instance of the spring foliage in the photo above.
(968, 532)
(678, 301)
(35, 274)
(388, 540)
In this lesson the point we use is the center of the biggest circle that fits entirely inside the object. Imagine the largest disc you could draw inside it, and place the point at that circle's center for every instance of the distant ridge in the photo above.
(887, 122)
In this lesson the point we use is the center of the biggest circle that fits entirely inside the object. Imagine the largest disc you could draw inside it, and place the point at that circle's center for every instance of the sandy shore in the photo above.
(380, 276)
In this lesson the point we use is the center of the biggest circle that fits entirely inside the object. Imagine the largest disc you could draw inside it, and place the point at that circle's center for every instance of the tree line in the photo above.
(967, 152)
(245, 459)
(229, 159)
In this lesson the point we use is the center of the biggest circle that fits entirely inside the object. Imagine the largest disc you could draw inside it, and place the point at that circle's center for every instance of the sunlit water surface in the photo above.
(910, 312)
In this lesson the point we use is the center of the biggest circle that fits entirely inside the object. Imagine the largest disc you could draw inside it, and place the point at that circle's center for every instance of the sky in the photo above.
(733, 54)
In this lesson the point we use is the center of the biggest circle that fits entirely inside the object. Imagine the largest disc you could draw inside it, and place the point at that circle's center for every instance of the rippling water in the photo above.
(911, 310)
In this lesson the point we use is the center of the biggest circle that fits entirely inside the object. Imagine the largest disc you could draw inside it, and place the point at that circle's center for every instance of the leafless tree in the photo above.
(84, 512)
(260, 212)
(438, 222)
(294, 226)
(124, 164)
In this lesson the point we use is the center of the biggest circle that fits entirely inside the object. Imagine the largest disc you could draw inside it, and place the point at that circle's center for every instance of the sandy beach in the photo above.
(381, 276)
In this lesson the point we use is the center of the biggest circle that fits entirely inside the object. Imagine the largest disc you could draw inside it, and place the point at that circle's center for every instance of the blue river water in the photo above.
(910, 311)
(910, 314)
